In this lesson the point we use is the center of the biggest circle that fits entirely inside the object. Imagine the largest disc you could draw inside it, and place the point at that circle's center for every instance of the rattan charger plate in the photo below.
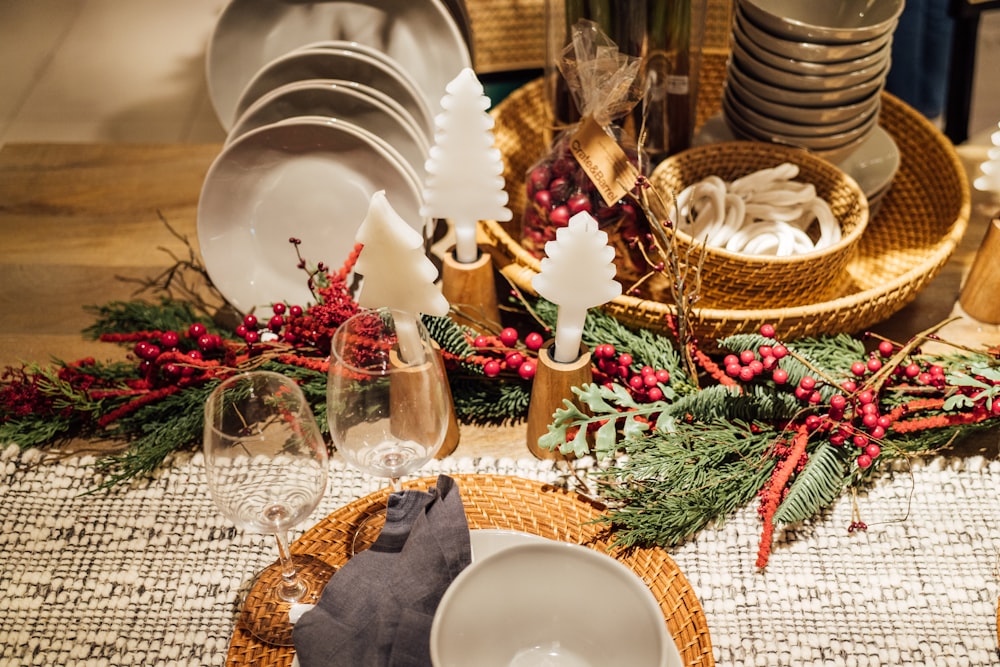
(921, 220)
(511, 503)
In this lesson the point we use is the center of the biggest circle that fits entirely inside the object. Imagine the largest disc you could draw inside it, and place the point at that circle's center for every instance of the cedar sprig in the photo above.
(498, 401)
(672, 484)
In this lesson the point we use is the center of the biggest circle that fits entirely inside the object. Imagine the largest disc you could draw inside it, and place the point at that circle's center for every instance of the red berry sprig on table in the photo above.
(644, 385)
(505, 353)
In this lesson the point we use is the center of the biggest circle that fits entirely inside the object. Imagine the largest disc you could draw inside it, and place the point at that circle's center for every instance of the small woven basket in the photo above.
(736, 280)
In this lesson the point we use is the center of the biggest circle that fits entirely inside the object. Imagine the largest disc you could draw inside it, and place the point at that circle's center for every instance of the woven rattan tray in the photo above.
(515, 504)
(921, 220)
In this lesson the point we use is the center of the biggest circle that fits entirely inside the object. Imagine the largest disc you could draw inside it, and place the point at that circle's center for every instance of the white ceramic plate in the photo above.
(874, 163)
(419, 34)
(350, 101)
(342, 64)
(306, 178)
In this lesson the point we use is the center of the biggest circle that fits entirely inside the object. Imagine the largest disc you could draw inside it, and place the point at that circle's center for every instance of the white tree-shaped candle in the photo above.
(396, 270)
(577, 274)
(464, 170)
(989, 181)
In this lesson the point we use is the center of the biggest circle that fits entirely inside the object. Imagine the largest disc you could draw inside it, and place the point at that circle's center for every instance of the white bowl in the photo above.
(810, 51)
(797, 66)
(806, 115)
(814, 67)
(769, 123)
(514, 608)
(797, 81)
(832, 147)
(825, 21)
(806, 98)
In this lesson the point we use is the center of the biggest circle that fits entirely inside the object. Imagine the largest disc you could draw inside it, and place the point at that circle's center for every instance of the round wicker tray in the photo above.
(514, 504)
(921, 220)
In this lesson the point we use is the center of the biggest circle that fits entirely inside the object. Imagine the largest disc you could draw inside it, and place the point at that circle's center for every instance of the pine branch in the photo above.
(485, 402)
(135, 316)
(671, 484)
(819, 484)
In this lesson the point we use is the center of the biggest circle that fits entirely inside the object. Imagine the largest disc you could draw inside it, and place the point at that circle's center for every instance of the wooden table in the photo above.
(81, 221)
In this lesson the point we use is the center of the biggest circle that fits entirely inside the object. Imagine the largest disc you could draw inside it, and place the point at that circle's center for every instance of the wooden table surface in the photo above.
(80, 221)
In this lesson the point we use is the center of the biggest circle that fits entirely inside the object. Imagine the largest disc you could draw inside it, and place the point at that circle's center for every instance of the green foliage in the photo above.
(980, 390)
(820, 483)
(608, 407)
(135, 316)
(36, 430)
(672, 483)
(154, 431)
(485, 402)
(834, 353)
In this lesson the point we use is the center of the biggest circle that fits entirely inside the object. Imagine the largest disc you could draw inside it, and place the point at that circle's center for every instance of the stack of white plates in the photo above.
(325, 103)
(811, 74)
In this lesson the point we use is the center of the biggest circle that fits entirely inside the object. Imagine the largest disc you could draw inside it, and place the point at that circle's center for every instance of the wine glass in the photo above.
(267, 468)
(388, 402)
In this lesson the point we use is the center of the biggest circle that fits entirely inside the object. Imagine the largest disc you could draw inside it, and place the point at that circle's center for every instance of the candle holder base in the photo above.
(553, 383)
(471, 289)
(979, 293)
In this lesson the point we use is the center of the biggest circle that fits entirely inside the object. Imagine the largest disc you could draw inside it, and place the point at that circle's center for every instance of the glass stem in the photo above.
(397, 485)
(291, 589)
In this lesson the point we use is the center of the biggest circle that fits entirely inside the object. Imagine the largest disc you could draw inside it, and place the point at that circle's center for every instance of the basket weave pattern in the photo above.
(733, 280)
(510, 503)
(921, 220)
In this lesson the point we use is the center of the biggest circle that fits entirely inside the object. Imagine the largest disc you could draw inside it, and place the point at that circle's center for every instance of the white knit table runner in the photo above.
(152, 574)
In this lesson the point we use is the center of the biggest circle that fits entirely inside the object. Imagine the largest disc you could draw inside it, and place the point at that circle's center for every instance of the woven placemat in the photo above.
(510, 503)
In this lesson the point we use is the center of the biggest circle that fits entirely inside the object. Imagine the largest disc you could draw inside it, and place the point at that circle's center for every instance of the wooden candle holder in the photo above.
(979, 293)
(471, 288)
(553, 383)
(404, 385)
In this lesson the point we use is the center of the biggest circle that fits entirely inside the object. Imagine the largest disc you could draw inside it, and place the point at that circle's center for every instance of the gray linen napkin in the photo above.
(378, 608)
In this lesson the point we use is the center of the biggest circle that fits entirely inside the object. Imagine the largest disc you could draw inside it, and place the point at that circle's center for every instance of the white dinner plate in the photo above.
(350, 101)
(342, 64)
(311, 179)
(421, 35)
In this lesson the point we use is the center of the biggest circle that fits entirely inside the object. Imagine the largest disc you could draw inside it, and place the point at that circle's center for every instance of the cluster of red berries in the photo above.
(505, 352)
(252, 331)
(852, 417)
(643, 384)
(162, 353)
(557, 189)
(748, 364)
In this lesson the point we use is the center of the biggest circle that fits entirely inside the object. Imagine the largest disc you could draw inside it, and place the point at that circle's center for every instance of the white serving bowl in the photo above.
(520, 608)
(807, 50)
(814, 67)
(806, 115)
(824, 21)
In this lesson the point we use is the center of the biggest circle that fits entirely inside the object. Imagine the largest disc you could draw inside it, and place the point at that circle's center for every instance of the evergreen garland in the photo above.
(671, 465)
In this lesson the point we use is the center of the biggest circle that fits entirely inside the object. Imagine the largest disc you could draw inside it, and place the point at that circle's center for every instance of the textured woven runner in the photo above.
(152, 574)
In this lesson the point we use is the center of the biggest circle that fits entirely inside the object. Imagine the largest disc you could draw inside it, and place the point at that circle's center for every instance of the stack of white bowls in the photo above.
(808, 73)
